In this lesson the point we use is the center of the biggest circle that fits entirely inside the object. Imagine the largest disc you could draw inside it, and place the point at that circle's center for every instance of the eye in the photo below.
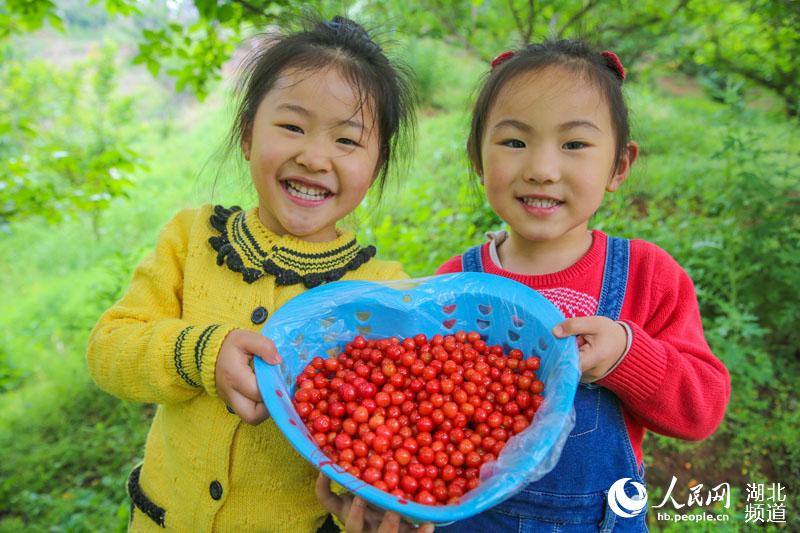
(291, 127)
(347, 142)
(574, 145)
(513, 143)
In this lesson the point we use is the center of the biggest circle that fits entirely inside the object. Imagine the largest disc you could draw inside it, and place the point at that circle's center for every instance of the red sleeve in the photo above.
(450, 266)
(669, 381)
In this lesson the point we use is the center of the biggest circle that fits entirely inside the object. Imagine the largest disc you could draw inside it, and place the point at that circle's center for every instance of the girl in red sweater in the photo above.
(549, 138)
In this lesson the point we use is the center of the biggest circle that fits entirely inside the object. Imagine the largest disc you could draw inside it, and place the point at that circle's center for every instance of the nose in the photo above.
(314, 155)
(542, 166)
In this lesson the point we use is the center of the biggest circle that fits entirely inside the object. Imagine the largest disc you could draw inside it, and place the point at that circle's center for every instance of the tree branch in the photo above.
(531, 21)
(462, 40)
(778, 86)
(515, 14)
(647, 22)
(577, 16)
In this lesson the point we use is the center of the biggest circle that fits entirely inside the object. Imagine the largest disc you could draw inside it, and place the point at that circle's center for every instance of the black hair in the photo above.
(344, 44)
(569, 54)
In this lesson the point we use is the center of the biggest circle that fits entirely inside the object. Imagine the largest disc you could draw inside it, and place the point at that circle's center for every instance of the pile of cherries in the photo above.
(418, 417)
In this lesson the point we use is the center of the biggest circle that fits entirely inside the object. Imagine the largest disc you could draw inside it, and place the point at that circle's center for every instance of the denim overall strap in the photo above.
(471, 260)
(573, 496)
(615, 278)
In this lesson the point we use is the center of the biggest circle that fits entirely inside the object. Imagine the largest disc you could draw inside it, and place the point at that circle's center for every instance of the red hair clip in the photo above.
(614, 63)
(502, 57)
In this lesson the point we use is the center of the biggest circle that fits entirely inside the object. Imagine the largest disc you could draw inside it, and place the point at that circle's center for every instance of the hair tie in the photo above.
(502, 57)
(613, 62)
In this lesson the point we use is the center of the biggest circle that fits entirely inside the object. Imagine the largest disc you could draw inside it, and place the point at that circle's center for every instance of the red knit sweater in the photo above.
(669, 382)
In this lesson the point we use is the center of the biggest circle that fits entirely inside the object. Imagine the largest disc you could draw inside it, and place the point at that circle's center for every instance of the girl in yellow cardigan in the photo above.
(322, 114)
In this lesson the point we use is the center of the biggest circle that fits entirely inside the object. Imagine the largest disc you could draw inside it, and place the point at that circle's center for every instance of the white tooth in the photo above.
(302, 191)
(306, 191)
(540, 202)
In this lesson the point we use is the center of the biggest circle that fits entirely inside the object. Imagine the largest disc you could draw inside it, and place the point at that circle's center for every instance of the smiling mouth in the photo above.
(304, 191)
(541, 203)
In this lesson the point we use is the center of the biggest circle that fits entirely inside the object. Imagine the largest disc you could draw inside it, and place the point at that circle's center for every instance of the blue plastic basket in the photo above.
(318, 322)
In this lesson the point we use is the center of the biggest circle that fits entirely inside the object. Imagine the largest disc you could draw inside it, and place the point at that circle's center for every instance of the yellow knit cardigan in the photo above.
(214, 270)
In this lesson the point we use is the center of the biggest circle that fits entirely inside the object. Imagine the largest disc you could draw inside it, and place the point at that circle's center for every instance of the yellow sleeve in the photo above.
(141, 349)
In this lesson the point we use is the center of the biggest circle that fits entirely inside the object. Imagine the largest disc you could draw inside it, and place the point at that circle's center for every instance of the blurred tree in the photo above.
(487, 27)
(756, 40)
(65, 139)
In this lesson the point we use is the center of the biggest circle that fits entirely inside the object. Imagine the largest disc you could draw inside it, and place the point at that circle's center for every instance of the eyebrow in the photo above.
(522, 126)
(577, 124)
(512, 123)
(300, 110)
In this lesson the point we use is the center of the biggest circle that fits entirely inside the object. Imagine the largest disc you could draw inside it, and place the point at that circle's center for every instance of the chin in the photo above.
(314, 232)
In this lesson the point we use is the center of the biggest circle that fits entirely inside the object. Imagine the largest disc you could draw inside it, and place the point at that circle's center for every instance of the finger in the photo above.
(325, 495)
(247, 386)
(426, 528)
(355, 517)
(251, 412)
(584, 325)
(260, 346)
(390, 523)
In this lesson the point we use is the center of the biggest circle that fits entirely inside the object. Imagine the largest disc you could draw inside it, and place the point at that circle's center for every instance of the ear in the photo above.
(246, 143)
(629, 155)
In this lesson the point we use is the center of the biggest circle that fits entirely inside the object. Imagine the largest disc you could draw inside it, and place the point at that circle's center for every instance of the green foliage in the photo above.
(753, 40)
(438, 85)
(48, 470)
(487, 27)
(442, 198)
(26, 15)
(719, 192)
(67, 446)
(64, 139)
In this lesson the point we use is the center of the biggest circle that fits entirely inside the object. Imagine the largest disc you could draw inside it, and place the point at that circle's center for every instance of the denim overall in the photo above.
(573, 496)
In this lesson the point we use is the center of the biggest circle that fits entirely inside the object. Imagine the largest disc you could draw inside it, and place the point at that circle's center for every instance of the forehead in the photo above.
(326, 92)
(550, 96)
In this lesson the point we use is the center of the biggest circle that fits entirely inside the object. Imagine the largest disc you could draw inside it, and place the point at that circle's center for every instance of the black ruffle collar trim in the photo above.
(275, 261)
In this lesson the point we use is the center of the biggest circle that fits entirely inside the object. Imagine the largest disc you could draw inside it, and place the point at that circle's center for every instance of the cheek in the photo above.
(497, 176)
(497, 194)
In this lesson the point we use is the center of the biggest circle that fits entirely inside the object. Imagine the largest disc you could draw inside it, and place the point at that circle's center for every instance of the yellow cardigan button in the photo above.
(215, 489)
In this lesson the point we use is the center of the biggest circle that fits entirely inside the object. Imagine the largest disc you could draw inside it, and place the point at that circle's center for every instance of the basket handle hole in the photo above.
(484, 309)
(448, 309)
(363, 316)
(513, 336)
(517, 321)
(449, 323)
(482, 324)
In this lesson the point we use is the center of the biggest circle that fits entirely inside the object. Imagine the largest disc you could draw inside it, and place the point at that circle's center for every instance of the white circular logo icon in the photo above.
(624, 505)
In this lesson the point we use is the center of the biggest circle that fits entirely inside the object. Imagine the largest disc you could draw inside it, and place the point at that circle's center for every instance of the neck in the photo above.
(534, 258)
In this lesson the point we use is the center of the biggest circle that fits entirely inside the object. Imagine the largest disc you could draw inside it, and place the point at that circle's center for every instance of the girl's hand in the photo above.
(236, 381)
(601, 343)
(359, 517)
